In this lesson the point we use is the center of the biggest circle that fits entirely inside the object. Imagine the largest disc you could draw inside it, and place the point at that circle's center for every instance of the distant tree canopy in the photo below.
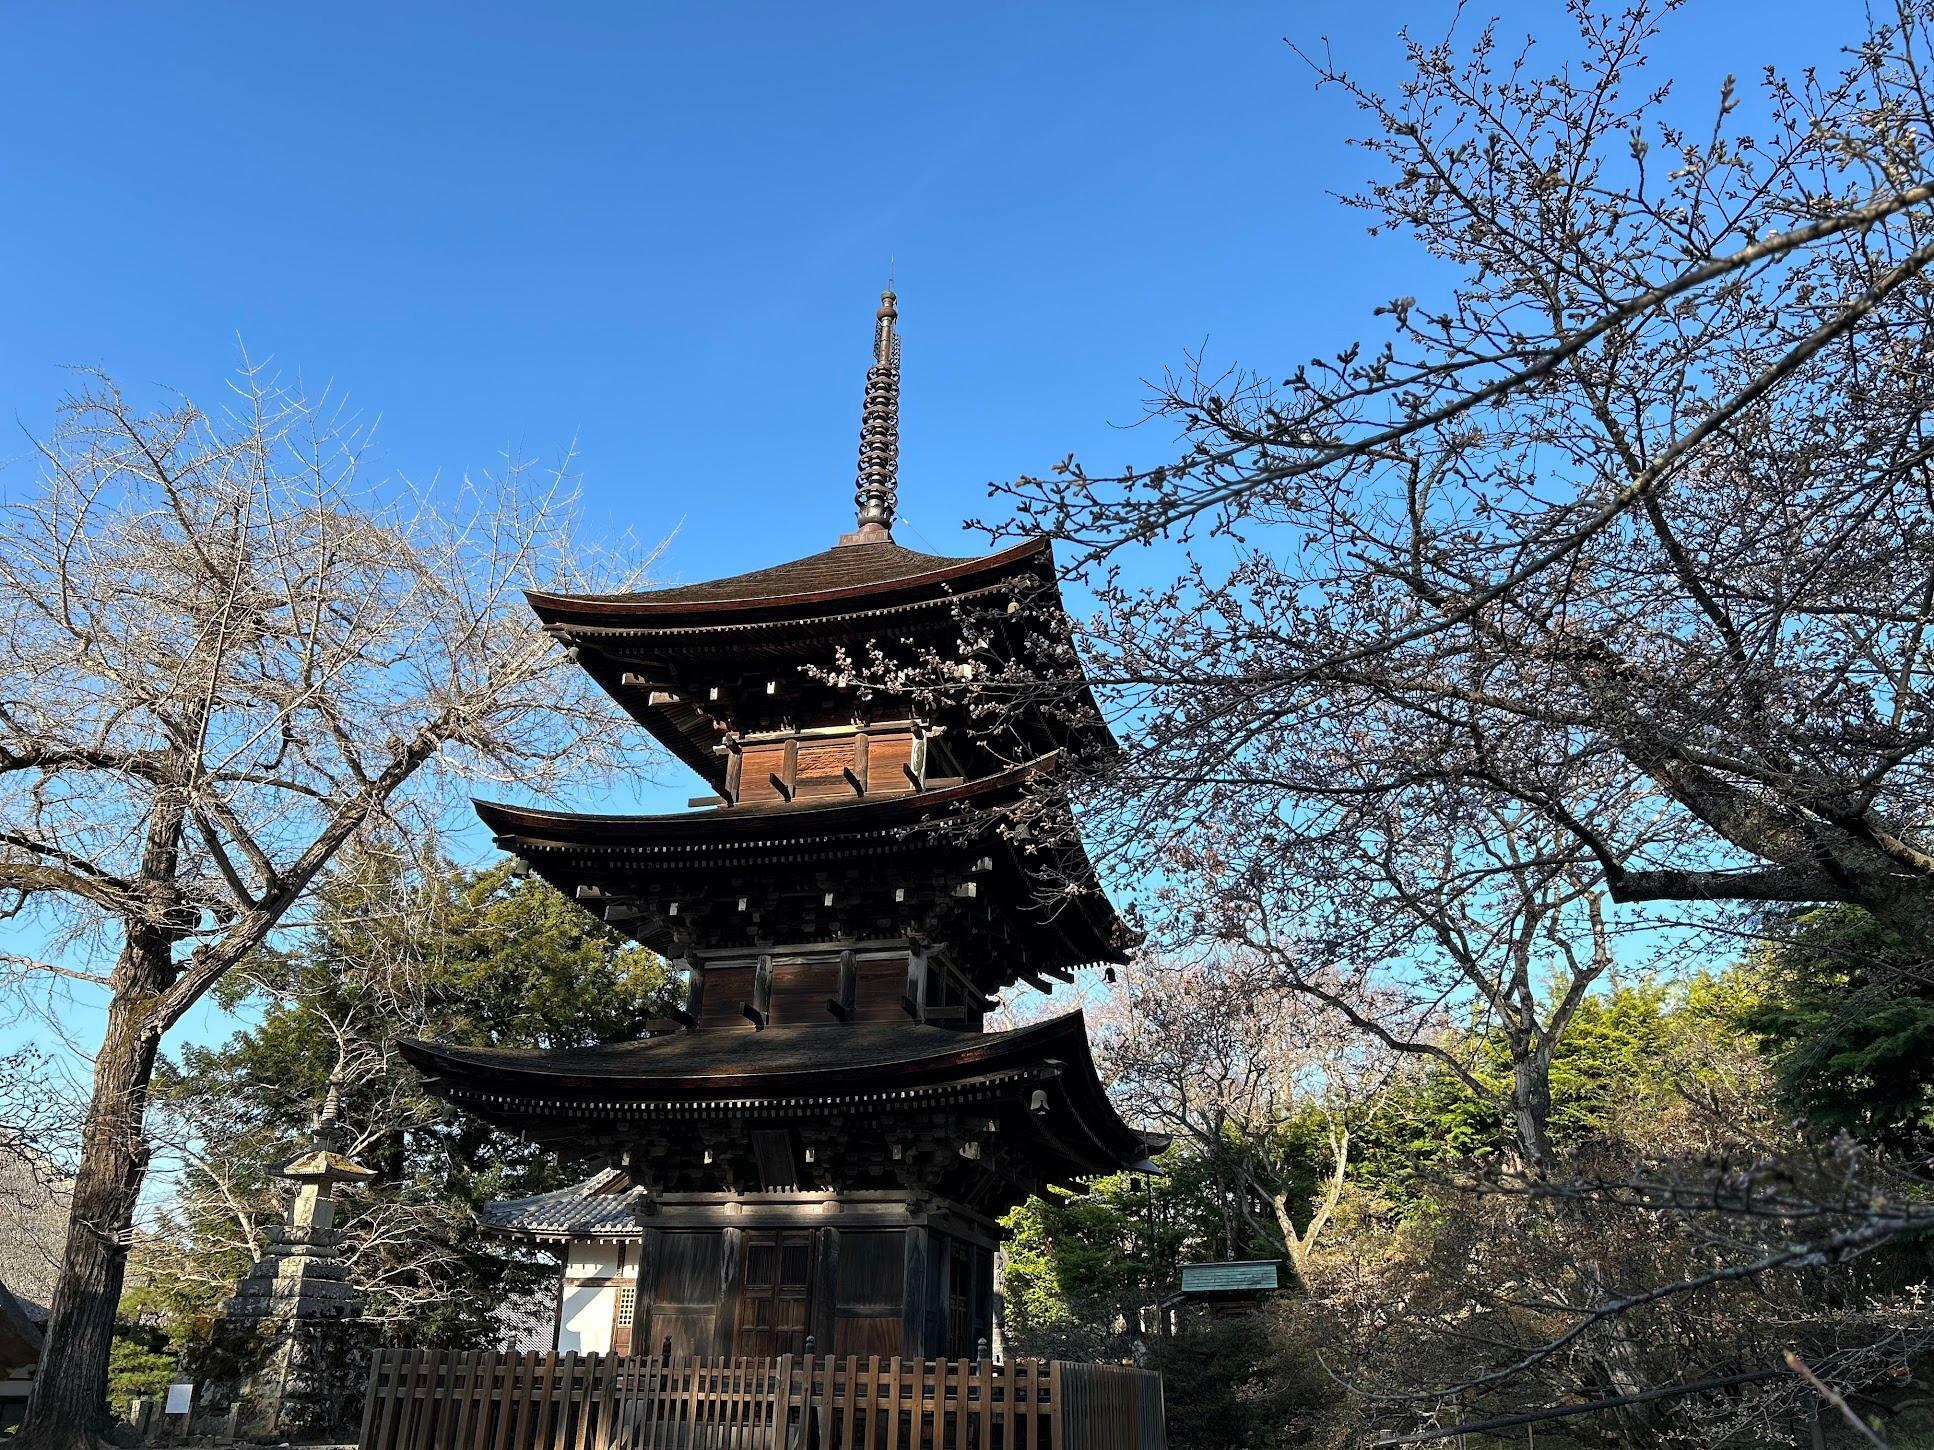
(1433, 1254)
(1628, 1056)
(480, 957)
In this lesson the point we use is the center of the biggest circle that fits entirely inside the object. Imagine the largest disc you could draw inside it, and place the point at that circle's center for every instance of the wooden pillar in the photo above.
(914, 1343)
(648, 1247)
(983, 1296)
(687, 969)
(940, 1275)
(915, 1000)
(725, 1331)
(759, 1009)
(820, 1314)
(841, 1004)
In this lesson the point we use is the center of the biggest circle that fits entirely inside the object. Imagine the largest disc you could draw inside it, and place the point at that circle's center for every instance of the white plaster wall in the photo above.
(586, 1311)
(586, 1319)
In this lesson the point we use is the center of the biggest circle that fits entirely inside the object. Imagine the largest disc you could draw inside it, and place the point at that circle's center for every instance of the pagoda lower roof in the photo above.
(611, 855)
(887, 1068)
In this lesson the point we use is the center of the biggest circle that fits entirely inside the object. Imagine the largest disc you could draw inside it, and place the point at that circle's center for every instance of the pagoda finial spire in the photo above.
(878, 486)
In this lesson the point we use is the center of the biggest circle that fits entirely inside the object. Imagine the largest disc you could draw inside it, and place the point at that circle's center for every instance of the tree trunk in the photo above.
(68, 1408)
(1293, 1243)
(1531, 1105)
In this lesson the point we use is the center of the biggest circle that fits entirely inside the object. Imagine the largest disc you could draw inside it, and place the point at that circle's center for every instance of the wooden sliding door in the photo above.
(775, 1296)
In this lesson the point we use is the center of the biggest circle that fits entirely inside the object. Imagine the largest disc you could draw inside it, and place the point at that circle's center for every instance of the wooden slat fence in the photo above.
(435, 1400)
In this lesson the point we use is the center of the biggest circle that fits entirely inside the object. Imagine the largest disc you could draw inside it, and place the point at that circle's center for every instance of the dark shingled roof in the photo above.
(875, 573)
(837, 568)
(762, 820)
(1039, 1080)
(730, 1063)
(573, 849)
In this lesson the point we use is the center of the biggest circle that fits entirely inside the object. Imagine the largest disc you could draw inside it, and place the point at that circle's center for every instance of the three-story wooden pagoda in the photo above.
(821, 1145)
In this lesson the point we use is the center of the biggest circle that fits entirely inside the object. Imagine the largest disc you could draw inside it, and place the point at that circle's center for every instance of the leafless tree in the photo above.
(1660, 1272)
(404, 1242)
(224, 655)
(1210, 1050)
(1435, 929)
(1589, 589)
(35, 1121)
(1637, 504)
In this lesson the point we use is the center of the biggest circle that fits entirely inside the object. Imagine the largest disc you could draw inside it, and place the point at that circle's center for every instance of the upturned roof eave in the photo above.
(1087, 924)
(629, 1067)
(777, 820)
(664, 606)
(1054, 1052)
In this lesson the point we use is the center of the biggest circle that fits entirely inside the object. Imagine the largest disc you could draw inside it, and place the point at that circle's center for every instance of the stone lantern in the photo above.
(291, 1337)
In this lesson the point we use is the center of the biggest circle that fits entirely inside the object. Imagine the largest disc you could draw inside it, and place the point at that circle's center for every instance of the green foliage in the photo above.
(1073, 1263)
(1077, 1267)
(1847, 1015)
(1610, 1062)
(482, 958)
(1417, 1267)
(1084, 1276)
(141, 1363)
(1250, 1378)
(1080, 1270)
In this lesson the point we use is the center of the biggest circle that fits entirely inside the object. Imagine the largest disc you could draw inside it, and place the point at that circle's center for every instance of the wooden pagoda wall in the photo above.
(770, 1289)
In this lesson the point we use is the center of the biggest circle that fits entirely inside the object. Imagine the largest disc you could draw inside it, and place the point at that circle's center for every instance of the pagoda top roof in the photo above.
(848, 577)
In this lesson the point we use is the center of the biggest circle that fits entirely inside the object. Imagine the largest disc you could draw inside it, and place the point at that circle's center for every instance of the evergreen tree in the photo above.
(483, 958)
(1848, 1018)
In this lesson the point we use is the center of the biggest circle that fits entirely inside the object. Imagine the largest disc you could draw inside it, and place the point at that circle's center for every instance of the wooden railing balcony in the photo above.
(448, 1400)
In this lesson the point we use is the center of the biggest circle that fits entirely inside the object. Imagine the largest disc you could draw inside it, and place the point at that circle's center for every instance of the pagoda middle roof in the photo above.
(564, 845)
(847, 577)
(777, 1061)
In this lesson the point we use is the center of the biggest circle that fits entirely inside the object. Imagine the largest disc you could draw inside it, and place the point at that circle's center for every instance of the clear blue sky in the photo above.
(661, 230)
